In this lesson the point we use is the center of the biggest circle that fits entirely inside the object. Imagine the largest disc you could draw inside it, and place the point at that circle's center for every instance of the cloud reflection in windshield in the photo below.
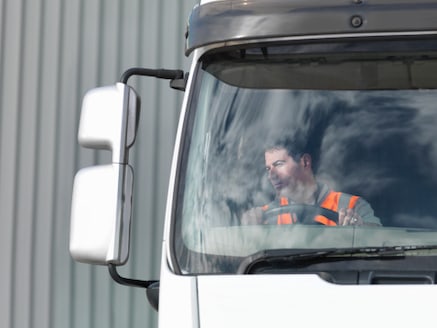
(369, 143)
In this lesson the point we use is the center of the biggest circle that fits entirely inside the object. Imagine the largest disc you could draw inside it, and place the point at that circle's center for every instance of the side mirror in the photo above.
(100, 214)
(109, 120)
(102, 195)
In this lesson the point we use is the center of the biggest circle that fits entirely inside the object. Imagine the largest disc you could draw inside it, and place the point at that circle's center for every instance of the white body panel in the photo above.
(289, 300)
(308, 301)
(178, 306)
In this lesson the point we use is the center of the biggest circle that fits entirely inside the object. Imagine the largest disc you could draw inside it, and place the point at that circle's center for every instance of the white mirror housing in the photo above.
(109, 119)
(100, 214)
(102, 195)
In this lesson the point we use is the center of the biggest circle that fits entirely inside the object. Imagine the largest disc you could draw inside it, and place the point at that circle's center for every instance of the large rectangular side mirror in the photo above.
(102, 195)
(100, 214)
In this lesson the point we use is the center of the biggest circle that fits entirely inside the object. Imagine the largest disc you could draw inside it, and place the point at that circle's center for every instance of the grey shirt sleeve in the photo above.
(363, 208)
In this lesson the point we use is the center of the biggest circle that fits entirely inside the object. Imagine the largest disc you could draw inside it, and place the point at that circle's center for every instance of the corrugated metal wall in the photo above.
(51, 52)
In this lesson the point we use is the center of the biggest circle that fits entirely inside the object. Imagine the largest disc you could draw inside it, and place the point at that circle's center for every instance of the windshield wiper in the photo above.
(290, 257)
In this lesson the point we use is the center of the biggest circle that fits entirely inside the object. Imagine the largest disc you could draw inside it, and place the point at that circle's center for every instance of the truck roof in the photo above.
(241, 21)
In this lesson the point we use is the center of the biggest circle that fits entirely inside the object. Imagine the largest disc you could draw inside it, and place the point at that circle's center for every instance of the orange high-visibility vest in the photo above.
(331, 202)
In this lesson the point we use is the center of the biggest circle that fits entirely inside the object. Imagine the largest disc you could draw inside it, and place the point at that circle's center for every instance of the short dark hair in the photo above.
(293, 146)
(297, 146)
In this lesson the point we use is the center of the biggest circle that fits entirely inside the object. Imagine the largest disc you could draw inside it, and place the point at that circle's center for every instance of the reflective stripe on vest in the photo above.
(285, 218)
(334, 201)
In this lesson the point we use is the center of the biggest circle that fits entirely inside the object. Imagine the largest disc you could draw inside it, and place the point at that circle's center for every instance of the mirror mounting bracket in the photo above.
(177, 78)
(127, 281)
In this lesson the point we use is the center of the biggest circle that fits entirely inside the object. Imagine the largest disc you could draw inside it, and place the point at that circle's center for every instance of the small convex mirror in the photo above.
(109, 120)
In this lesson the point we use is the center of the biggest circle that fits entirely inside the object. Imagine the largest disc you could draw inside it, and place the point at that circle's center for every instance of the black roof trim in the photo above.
(242, 20)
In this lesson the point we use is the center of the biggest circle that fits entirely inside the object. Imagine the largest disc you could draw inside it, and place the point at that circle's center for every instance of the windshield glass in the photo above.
(308, 147)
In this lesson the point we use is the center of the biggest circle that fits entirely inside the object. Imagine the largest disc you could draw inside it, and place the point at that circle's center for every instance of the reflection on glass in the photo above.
(256, 143)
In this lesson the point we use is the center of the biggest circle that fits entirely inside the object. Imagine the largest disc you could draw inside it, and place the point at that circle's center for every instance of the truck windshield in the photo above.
(308, 147)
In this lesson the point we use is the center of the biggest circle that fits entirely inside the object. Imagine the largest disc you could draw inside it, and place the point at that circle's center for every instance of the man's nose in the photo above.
(272, 173)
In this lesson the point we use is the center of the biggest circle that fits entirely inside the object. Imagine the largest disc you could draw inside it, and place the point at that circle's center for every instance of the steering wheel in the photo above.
(305, 213)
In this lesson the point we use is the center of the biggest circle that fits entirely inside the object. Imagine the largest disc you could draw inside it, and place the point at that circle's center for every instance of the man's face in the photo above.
(283, 171)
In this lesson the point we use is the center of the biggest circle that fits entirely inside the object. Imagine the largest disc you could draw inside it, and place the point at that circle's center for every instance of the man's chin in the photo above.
(278, 187)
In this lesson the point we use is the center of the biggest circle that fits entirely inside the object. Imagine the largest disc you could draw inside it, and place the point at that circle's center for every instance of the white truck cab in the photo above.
(348, 89)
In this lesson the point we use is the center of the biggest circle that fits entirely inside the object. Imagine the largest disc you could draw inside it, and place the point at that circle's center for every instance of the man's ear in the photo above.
(306, 160)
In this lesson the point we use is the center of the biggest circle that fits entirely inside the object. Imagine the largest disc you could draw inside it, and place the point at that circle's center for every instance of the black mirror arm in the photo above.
(126, 281)
(177, 77)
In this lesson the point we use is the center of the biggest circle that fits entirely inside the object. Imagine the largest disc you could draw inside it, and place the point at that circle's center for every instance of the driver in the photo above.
(292, 176)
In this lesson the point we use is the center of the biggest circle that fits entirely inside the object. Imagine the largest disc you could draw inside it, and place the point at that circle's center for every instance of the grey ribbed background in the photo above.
(51, 52)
